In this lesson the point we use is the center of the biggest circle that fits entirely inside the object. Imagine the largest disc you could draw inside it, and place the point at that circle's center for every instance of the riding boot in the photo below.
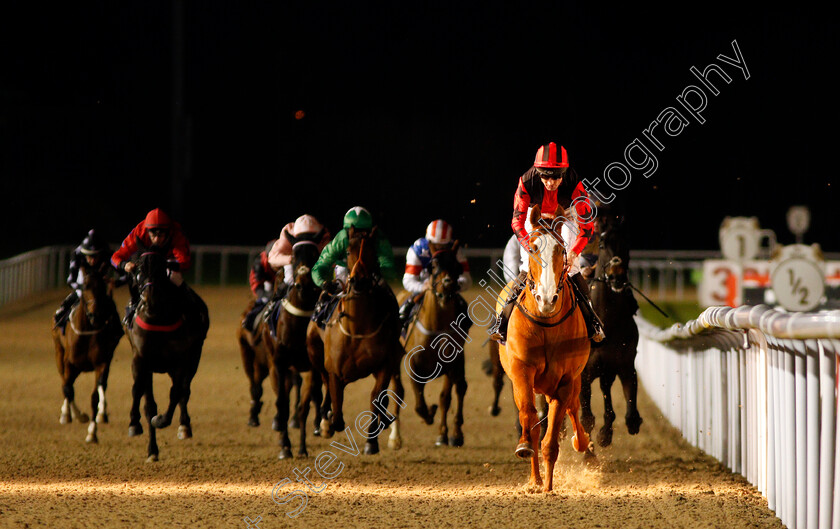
(405, 310)
(64, 309)
(499, 330)
(129, 313)
(593, 323)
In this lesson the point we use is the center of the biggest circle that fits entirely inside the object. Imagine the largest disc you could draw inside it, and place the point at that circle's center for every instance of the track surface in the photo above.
(49, 477)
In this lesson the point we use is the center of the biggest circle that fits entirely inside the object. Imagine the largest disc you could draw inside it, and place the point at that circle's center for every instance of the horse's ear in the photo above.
(559, 211)
(351, 231)
(291, 238)
(373, 231)
(455, 245)
(535, 215)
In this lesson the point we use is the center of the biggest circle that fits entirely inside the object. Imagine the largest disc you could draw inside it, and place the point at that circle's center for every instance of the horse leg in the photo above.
(379, 409)
(630, 384)
(460, 390)
(323, 427)
(542, 414)
(498, 377)
(69, 410)
(445, 402)
(97, 403)
(151, 412)
(395, 440)
(101, 410)
(280, 381)
(164, 420)
(587, 418)
(310, 391)
(137, 391)
(336, 421)
(294, 379)
(580, 439)
(185, 428)
(550, 447)
(420, 406)
(522, 380)
(606, 431)
(256, 373)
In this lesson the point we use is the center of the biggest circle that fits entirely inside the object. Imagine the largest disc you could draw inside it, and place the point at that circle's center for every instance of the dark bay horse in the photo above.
(428, 341)
(166, 336)
(361, 338)
(613, 301)
(280, 352)
(87, 344)
(546, 350)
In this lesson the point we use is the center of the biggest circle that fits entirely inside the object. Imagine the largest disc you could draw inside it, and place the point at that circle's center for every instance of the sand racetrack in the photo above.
(49, 476)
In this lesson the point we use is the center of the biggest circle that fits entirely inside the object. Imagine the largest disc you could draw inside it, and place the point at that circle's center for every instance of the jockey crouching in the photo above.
(93, 250)
(334, 257)
(158, 232)
(418, 262)
(277, 257)
(552, 183)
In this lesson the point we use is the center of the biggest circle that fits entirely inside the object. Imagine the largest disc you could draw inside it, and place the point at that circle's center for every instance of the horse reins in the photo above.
(534, 318)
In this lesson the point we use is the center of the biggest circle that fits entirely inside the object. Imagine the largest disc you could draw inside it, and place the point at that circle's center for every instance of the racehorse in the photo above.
(614, 303)
(546, 349)
(87, 344)
(166, 335)
(427, 332)
(361, 338)
(273, 351)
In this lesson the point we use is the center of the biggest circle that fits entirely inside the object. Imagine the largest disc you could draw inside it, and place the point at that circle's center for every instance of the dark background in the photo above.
(411, 110)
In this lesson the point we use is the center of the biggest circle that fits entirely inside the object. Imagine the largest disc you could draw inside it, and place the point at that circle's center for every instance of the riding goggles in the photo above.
(551, 172)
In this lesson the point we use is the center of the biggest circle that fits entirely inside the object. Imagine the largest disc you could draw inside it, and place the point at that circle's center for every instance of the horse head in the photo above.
(445, 271)
(613, 251)
(94, 290)
(151, 277)
(362, 259)
(547, 259)
(304, 255)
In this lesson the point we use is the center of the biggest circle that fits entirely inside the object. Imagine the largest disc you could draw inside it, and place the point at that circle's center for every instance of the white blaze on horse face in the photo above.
(546, 290)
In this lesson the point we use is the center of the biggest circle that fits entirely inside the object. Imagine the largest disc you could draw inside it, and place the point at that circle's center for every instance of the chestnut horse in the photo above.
(616, 355)
(546, 349)
(166, 336)
(430, 348)
(361, 338)
(266, 353)
(87, 344)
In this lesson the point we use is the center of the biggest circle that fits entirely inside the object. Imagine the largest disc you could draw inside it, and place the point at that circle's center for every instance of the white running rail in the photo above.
(756, 388)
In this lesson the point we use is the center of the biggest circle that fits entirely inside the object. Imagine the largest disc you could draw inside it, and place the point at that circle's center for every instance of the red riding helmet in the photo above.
(157, 219)
(547, 157)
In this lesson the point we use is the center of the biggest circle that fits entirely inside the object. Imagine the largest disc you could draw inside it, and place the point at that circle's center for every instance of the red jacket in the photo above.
(177, 247)
(531, 192)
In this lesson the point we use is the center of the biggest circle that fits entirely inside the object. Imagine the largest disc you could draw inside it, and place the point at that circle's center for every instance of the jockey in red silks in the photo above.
(158, 231)
(550, 183)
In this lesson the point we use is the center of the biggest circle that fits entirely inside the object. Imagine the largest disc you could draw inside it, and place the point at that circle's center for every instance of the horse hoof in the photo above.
(152, 458)
(159, 422)
(285, 453)
(293, 423)
(371, 448)
(589, 455)
(91, 438)
(581, 444)
(83, 417)
(102, 418)
(394, 444)
(634, 424)
(316, 431)
(326, 432)
(184, 432)
(275, 425)
(303, 454)
(135, 430)
(457, 441)
(524, 451)
(495, 411)
(430, 418)
(253, 422)
(442, 440)
(605, 436)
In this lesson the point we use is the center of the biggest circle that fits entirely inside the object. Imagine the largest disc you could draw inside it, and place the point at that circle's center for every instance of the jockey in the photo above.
(94, 250)
(418, 261)
(551, 183)
(278, 255)
(335, 255)
(304, 228)
(157, 230)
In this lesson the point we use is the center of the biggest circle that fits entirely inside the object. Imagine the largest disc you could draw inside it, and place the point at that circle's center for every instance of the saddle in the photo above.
(325, 308)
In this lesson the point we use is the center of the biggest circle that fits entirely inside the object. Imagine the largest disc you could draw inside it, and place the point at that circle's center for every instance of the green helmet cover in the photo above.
(358, 217)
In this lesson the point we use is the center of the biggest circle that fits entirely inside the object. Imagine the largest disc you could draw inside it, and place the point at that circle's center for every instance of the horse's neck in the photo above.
(79, 316)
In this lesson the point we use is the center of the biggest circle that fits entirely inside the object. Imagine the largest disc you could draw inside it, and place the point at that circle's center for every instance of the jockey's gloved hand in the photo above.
(332, 287)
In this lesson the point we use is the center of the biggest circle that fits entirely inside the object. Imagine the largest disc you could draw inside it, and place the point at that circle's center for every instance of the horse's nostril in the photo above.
(554, 299)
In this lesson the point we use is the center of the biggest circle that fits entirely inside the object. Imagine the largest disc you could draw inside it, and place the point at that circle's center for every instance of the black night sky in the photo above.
(411, 110)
